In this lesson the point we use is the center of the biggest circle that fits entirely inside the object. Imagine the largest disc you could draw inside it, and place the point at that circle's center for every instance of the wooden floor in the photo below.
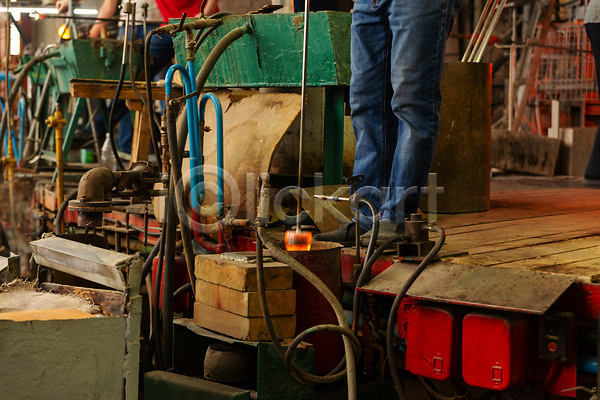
(546, 225)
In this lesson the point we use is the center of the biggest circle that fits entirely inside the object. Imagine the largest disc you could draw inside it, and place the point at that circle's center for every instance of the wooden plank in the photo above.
(546, 224)
(588, 271)
(531, 252)
(246, 304)
(524, 152)
(242, 276)
(46, 315)
(140, 144)
(453, 248)
(252, 329)
(111, 302)
(590, 255)
(105, 89)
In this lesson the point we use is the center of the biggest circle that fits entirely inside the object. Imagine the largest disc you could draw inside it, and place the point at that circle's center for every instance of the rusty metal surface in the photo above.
(324, 260)
(462, 157)
(88, 262)
(488, 287)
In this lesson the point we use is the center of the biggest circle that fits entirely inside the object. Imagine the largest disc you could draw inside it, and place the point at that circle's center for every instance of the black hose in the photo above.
(156, 299)
(111, 119)
(210, 62)
(176, 177)
(152, 118)
(365, 272)
(169, 277)
(61, 212)
(201, 37)
(181, 291)
(148, 264)
(350, 346)
(15, 90)
(389, 339)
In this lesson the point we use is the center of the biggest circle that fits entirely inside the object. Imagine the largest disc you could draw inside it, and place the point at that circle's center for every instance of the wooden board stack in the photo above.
(227, 297)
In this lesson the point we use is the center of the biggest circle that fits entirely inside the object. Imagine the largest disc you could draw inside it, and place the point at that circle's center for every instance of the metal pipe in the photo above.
(497, 13)
(38, 112)
(57, 122)
(302, 113)
(473, 37)
(512, 69)
(489, 13)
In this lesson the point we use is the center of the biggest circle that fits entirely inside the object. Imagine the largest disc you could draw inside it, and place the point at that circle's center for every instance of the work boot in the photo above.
(344, 235)
(387, 230)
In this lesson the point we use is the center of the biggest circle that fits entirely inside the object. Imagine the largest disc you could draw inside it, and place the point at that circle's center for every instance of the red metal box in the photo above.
(433, 342)
(494, 350)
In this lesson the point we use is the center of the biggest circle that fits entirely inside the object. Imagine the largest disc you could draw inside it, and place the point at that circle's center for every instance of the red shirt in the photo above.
(175, 8)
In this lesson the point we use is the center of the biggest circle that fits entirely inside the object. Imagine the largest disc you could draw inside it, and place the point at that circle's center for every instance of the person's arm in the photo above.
(210, 8)
(62, 6)
(107, 10)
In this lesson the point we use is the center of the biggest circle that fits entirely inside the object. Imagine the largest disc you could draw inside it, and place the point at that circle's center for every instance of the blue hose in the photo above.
(21, 110)
(197, 177)
(196, 165)
(219, 114)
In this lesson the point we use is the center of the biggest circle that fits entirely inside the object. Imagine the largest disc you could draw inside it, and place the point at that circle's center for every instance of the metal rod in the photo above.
(302, 116)
(472, 41)
(489, 13)
(512, 69)
(498, 12)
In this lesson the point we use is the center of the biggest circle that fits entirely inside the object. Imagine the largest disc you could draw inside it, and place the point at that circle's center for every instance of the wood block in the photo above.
(240, 275)
(246, 304)
(243, 328)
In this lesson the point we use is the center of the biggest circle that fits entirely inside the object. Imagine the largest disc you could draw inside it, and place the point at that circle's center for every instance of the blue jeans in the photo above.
(397, 55)
(592, 171)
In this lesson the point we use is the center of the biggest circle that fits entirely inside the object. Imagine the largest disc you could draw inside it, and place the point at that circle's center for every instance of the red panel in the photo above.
(404, 309)
(433, 342)
(494, 351)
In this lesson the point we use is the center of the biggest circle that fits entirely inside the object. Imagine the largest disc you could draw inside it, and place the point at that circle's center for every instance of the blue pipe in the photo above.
(197, 175)
(219, 113)
(196, 159)
(21, 110)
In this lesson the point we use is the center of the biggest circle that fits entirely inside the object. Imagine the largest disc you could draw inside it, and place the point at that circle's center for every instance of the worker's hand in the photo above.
(210, 8)
(62, 6)
(96, 29)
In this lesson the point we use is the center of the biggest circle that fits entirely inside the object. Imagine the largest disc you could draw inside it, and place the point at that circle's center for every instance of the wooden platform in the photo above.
(555, 230)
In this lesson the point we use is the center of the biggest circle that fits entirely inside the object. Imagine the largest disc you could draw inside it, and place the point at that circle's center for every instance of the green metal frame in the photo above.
(271, 56)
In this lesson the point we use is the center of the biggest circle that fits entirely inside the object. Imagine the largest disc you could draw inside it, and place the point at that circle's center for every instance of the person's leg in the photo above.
(592, 171)
(369, 87)
(419, 33)
(370, 94)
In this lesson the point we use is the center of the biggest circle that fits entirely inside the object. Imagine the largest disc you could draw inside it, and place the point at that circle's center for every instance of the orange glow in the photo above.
(298, 241)
(63, 32)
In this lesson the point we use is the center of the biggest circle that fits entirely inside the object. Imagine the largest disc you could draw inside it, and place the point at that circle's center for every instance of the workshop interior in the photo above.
(157, 228)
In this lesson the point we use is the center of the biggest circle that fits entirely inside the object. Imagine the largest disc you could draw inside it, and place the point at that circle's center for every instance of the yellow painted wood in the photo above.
(46, 315)
(242, 276)
(243, 328)
(246, 304)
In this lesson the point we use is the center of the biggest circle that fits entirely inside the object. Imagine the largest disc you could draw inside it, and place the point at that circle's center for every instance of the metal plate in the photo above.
(86, 261)
(488, 287)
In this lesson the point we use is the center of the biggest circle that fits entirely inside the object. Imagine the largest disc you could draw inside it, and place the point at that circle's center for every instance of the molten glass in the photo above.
(297, 240)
